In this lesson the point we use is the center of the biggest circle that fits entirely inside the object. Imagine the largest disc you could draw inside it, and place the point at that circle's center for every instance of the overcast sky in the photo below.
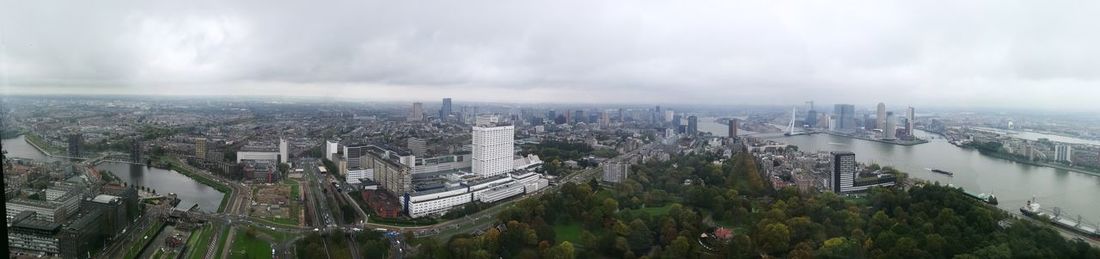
(1020, 54)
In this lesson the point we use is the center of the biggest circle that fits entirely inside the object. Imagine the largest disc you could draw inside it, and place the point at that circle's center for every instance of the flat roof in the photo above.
(103, 198)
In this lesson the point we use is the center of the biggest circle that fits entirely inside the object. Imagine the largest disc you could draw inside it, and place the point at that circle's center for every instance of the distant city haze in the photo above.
(980, 54)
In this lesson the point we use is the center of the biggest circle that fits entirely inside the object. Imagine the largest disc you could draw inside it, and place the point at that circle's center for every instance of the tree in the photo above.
(564, 250)
(775, 238)
(641, 238)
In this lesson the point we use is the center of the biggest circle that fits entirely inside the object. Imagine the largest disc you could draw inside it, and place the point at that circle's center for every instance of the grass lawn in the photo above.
(221, 242)
(278, 236)
(249, 247)
(656, 211)
(293, 188)
(199, 241)
(568, 232)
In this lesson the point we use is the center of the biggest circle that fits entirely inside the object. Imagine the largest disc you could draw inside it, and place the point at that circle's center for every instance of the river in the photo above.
(1013, 183)
(190, 192)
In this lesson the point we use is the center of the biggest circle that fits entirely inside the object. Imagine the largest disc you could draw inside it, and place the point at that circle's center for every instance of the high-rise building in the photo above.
(615, 171)
(136, 154)
(844, 171)
(417, 112)
(1063, 153)
(445, 110)
(75, 140)
(493, 147)
(693, 125)
(200, 148)
(578, 116)
(910, 118)
(284, 152)
(354, 155)
(845, 116)
(891, 129)
(331, 148)
(880, 117)
(114, 211)
(734, 124)
(811, 118)
(605, 120)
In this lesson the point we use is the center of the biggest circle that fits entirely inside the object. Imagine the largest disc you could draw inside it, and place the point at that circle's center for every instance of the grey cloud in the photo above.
(920, 52)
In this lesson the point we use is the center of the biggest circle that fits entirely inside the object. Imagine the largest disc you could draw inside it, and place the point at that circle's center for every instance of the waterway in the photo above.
(710, 124)
(1013, 183)
(1029, 135)
(189, 191)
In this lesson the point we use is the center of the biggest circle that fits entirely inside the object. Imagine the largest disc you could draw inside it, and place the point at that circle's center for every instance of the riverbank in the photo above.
(894, 142)
(174, 165)
(37, 143)
(1036, 163)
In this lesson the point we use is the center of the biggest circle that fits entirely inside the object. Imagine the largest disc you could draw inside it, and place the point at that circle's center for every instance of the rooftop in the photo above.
(103, 198)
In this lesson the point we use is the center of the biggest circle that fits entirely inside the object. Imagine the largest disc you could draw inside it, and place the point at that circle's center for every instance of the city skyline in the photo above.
(754, 53)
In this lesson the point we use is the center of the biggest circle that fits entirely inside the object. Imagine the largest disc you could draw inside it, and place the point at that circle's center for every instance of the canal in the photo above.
(190, 192)
(1013, 183)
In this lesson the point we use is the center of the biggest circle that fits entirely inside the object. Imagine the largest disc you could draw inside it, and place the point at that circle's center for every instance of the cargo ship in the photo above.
(942, 172)
(1031, 209)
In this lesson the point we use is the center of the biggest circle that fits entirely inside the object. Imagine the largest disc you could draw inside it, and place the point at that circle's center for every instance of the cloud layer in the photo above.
(980, 53)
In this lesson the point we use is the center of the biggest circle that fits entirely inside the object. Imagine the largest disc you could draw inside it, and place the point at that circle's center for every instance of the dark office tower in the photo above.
(657, 116)
(445, 110)
(578, 116)
(734, 123)
(844, 171)
(693, 125)
(75, 140)
(845, 116)
(552, 114)
(811, 118)
(135, 150)
(676, 122)
(622, 115)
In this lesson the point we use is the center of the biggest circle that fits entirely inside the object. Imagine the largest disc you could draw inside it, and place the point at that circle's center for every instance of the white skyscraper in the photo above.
(283, 158)
(910, 118)
(493, 149)
(331, 148)
(891, 126)
(1063, 153)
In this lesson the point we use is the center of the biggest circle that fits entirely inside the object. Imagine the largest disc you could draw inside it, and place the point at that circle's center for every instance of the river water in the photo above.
(1013, 183)
(189, 191)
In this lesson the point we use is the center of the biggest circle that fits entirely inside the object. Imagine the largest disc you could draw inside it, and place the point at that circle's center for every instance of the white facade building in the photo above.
(354, 176)
(1063, 153)
(493, 147)
(257, 155)
(331, 148)
(283, 152)
(487, 190)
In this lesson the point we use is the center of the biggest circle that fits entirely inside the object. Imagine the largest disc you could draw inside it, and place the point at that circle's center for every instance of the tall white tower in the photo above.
(493, 149)
(283, 152)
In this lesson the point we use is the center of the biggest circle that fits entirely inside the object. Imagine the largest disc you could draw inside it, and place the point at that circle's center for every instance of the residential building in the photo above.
(1063, 153)
(445, 110)
(200, 148)
(733, 125)
(615, 171)
(417, 112)
(493, 148)
(844, 171)
(845, 115)
(880, 117)
(693, 125)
